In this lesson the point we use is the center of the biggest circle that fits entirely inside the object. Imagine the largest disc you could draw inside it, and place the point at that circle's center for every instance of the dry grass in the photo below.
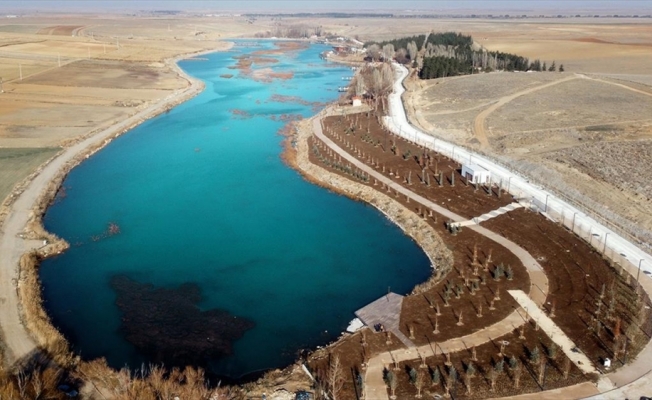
(576, 103)
(34, 316)
(618, 163)
(109, 74)
(33, 382)
(461, 93)
(150, 383)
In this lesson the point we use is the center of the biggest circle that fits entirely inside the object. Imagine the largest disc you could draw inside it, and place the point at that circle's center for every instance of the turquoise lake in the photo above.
(201, 196)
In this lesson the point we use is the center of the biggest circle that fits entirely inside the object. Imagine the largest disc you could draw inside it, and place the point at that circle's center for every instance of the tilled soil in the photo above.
(577, 274)
(394, 155)
(575, 271)
(487, 356)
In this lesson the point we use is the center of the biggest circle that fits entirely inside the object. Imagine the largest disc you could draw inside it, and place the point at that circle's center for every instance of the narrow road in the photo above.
(620, 85)
(16, 339)
(375, 387)
(479, 122)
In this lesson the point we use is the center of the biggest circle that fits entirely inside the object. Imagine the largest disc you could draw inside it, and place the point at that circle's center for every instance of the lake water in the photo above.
(201, 196)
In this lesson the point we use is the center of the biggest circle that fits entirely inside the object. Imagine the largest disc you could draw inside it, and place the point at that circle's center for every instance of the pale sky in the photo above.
(641, 6)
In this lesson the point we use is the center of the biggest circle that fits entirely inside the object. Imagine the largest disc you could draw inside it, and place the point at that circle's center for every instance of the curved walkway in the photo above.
(634, 379)
(375, 388)
(18, 343)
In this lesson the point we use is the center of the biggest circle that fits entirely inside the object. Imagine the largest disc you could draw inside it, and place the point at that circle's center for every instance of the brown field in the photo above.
(59, 30)
(105, 76)
(108, 74)
(575, 278)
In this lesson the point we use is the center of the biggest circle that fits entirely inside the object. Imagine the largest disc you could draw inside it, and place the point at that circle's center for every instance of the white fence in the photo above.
(600, 237)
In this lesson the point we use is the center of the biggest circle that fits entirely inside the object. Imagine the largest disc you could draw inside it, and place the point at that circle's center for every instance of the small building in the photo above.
(356, 101)
(474, 173)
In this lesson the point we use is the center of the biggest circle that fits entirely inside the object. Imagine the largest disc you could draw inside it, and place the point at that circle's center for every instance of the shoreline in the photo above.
(295, 153)
(26, 327)
(43, 185)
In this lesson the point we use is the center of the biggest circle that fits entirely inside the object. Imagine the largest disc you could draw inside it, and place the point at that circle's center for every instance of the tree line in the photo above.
(449, 54)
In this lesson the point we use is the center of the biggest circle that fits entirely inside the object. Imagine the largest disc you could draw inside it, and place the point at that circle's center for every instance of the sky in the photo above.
(644, 6)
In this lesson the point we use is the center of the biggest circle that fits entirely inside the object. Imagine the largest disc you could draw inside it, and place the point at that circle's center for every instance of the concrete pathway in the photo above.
(634, 379)
(491, 214)
(579, 391)
(554, 332)
(375, 387)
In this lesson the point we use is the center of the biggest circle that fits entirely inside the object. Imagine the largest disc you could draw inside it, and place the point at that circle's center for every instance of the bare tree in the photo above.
(335, 378)
(379, 81)
(388, 51)
(468, 378)
(419, 382)
(518, 371)
(493, 377)
(567, 367)
(412, 50)
(373, 52)
(542, 369)
(392, 382)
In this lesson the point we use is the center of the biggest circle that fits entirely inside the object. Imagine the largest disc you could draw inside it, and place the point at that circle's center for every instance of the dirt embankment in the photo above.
(296, 154)
(23, 309)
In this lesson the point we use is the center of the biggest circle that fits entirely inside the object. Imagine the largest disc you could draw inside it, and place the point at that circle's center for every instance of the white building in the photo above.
(476, 174)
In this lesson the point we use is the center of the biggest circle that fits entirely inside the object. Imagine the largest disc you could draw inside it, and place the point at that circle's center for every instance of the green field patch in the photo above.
(16, 164)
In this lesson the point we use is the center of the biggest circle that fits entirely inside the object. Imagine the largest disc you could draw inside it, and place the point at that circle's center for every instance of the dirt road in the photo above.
(479, 122)
(17, 340)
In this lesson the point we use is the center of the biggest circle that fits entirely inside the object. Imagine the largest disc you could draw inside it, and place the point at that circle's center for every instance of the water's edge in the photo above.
(36, 321)
(42, 331)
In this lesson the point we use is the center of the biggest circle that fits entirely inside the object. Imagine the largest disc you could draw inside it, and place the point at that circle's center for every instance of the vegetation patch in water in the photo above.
(167, 325)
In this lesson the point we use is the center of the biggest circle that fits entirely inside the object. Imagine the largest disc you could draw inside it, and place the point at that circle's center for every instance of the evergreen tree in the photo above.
(553, 67)
(544, 68)
(561, 68)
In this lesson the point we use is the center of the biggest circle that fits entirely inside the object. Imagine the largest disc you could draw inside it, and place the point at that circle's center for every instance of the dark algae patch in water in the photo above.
(167, 325)
(201, 195)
